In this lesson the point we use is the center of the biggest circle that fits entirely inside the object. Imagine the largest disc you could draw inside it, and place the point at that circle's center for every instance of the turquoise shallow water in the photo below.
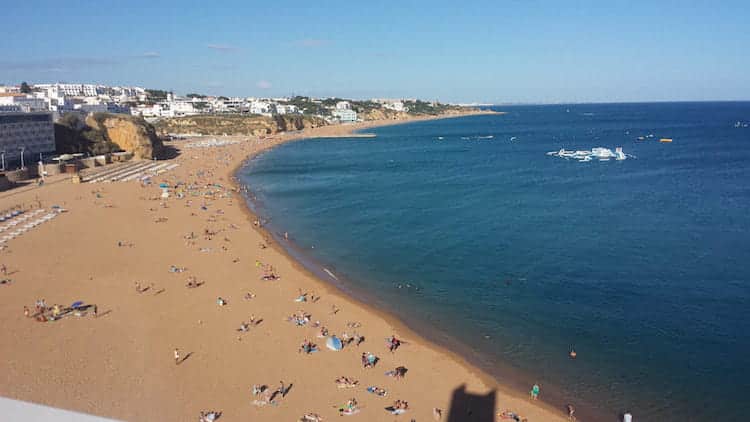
(642, 265)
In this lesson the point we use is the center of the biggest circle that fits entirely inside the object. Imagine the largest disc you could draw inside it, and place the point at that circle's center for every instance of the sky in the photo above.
(470, 51)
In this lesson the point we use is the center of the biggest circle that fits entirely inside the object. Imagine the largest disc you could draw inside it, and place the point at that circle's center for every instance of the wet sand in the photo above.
(121, 364)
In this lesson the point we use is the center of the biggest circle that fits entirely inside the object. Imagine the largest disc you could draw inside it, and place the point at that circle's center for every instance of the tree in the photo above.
(25, 88)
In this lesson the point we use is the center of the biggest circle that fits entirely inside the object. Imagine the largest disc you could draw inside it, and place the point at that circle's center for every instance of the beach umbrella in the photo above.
(76, 304)
(163, 185)
(334, 343)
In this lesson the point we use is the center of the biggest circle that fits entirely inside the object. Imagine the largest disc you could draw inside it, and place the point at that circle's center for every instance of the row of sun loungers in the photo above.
(129, 171)
(24, 223)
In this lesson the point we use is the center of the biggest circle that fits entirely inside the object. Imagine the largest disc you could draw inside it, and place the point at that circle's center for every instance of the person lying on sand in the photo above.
(193, 283)
(398, 407)
(350, 407)
(244, 327)
(377, 391)
(509, 414)
(220, 301)
(301, 297)
(270, 277)
(249, 296)
(398, 373)
(209, 416)
(369, 360)
(323, 333)
(307, 347)
(311, 417)
(346, 382)
(300, 318)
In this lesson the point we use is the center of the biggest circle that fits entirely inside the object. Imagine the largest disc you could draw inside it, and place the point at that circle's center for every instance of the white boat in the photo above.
(599, 153)
(602, 153)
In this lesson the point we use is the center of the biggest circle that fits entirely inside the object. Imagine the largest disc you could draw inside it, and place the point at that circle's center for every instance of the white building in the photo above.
(287, 109)
(32, 133)
(395, 106)
(343, 105)
(263, 108)
(25, 102)
(345, 116)
(5, 89)
(74, 90)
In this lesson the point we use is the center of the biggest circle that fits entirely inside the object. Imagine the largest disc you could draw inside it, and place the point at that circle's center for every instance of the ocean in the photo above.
(472, 235)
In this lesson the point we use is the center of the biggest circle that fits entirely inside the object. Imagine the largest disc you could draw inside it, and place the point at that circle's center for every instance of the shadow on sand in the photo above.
(469, 407)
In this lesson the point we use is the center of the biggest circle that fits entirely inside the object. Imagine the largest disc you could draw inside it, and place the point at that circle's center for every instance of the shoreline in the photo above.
(357, 295)
(120, 364)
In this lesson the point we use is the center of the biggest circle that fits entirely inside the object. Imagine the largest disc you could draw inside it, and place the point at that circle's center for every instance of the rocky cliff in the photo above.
(383, 114)
(101, 133)
(251, 125)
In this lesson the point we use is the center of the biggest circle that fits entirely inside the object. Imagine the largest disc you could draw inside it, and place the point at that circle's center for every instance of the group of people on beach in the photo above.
(44, 313)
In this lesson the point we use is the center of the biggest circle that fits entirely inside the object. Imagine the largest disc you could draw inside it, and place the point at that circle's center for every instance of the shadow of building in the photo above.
(470, 407)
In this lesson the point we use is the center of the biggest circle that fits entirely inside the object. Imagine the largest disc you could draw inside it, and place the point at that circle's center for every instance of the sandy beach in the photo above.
(121, 363)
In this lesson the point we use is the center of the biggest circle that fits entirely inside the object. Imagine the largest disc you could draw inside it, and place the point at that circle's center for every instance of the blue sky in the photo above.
(483, 51)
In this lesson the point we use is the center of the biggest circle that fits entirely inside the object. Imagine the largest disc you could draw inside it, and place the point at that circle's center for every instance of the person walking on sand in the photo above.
(176, 356)
(535, 391)
(571, 411)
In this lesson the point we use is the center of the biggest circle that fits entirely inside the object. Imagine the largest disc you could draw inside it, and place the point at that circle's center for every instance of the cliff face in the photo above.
(101, 133)
(128, 133)
(237, 124)
(383, 114)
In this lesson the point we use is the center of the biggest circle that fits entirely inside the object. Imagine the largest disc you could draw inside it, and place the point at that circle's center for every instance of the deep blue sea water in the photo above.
(515, 257)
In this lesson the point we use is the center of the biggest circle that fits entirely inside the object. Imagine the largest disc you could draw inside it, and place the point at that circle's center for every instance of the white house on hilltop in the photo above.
(345, 116)
(395, 106)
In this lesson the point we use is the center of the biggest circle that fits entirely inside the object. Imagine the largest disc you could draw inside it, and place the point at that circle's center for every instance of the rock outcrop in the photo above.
(250, 125)
(129, 133)
(101, 133)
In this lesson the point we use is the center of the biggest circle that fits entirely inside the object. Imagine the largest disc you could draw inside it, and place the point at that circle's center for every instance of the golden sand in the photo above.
(121, 364)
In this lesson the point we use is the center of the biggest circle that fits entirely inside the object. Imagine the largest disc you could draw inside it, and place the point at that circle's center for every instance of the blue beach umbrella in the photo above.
(334, 343)
(163, 185)
(76, 304)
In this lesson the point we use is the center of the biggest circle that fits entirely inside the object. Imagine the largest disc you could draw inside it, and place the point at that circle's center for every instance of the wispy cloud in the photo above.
(59, 64)
(263, 84)
(222, 47)
(312, 42)
(71, 64)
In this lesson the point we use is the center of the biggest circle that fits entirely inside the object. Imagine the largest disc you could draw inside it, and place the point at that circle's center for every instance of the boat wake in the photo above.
(598, 153)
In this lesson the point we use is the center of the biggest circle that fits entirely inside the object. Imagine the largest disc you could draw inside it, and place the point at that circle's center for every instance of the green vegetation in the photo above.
(194, 95)
(309, 107)
(423, 107)
(25, 88)
(156, 95)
